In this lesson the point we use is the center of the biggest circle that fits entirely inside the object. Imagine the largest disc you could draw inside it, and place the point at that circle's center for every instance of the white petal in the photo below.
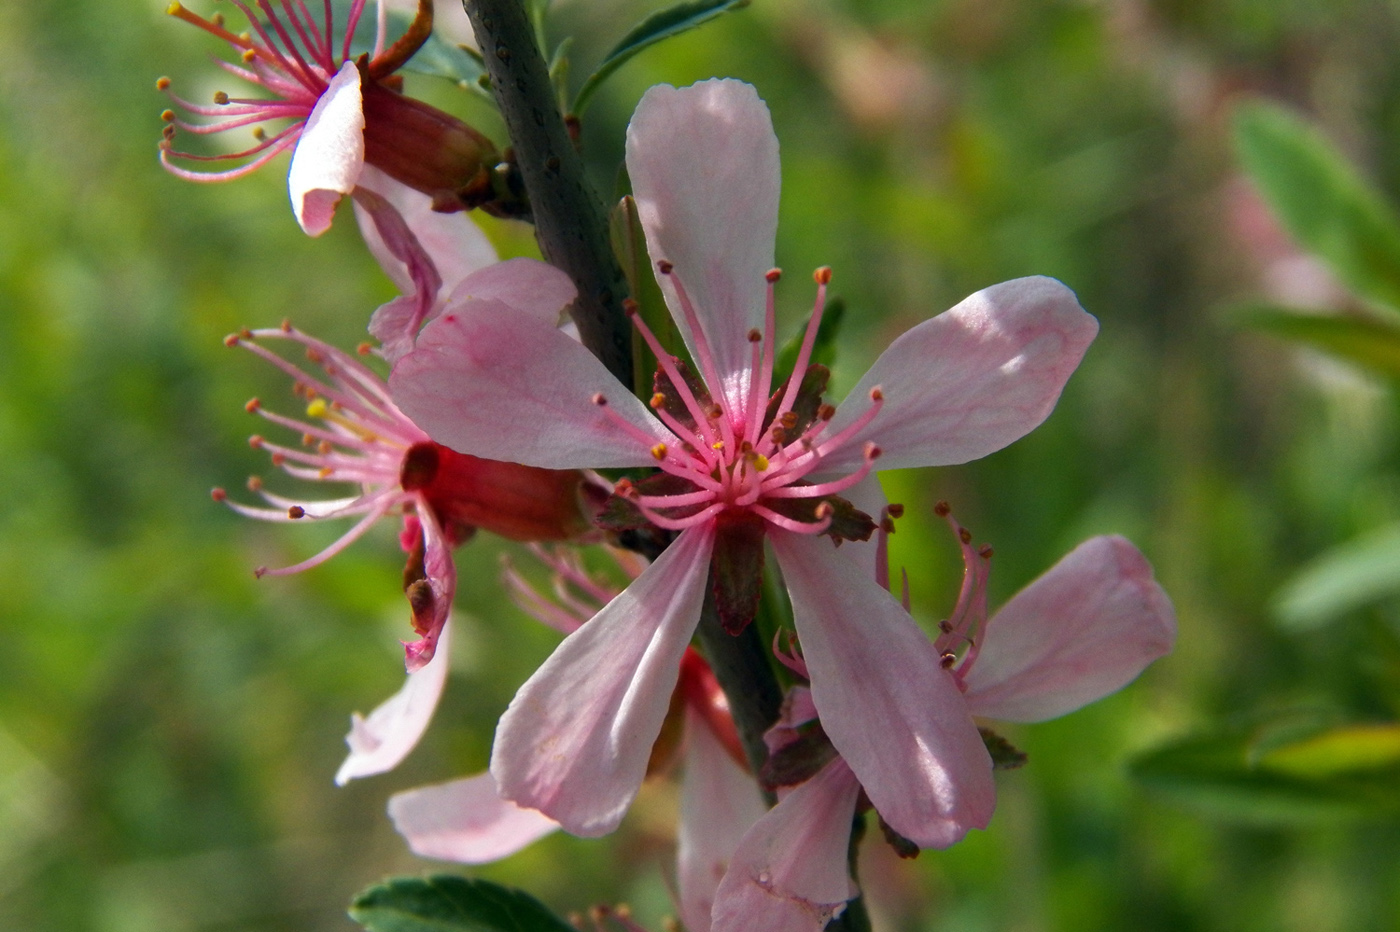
(704, 167)
(1083, 630)
(575, 741)
(330, 153)
(465, 821)
(379, 742)
(971, 380)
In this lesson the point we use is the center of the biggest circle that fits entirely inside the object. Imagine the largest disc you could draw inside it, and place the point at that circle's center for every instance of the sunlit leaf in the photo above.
(448, 903)
(1278, 770)
(1343, 579)
(660, 25)
(1370, 341)
(823, 347)
(630, 247)
(1321, 200)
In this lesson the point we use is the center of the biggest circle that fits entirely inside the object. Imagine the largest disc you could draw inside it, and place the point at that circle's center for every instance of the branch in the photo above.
(570, 222)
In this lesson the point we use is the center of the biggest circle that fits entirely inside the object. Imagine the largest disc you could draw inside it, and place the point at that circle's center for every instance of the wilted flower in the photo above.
(737, 466)
(342, 112)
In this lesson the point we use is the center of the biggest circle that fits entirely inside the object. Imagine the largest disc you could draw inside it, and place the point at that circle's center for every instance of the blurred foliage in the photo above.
(169, 726)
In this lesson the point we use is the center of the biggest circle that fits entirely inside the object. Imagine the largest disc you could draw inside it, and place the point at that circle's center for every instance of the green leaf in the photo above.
(660, 25)
(1321, 200)
(438, 58)
(1343, 579)
(1370, 341)
(448, 903)
(1280, 770)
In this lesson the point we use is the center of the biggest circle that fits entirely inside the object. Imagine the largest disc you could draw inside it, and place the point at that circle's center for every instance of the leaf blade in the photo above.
(449, 903)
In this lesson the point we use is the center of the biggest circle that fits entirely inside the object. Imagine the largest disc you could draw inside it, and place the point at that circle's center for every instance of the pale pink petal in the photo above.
(488, 380)
(453, 243)
(790, 873)
(465, 821)
(971, 380)
(1084, 629)
(528, 285)
(378, 743)
(575, 741)
(330, 153)
(704, 167)
(886, 702)
(404, 259)
(719, 803)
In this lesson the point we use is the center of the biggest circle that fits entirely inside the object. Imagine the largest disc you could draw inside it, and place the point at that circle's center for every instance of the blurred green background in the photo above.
(169, 726)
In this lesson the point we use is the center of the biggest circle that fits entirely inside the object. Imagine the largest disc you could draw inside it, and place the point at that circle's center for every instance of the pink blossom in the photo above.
(1081, 631)
(467, 820)
(336, 114)
(738, 465)
(354, 435)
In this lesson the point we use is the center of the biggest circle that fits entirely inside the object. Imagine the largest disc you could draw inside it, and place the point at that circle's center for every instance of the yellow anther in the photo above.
(658, 400)
(717, 445)
(248, 56)
(760, 462)
(659, 451)
(317, 408)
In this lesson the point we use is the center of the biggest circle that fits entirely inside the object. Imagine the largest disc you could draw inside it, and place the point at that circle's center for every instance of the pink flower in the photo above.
(738, 466)
(1081, 631)
(339, 114)
(356, 435)
(468, 821)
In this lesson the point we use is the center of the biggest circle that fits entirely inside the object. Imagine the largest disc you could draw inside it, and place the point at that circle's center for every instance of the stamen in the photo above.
(702, 345)
(809, 339)
(668, 365)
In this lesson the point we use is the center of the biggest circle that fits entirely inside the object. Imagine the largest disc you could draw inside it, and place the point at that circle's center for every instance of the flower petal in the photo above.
(789, 874)
(401, 255)
(465, 821)
(453, 243)
(488, 380)
(431, 597)
(704, 167)
(719, 803)
(884, 699)
(1084, 629)
(379, 742)
(971, 380)
(528, 285)
(330, 152)
(575, 741)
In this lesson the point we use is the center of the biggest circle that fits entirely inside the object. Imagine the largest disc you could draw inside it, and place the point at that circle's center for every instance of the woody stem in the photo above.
(570, 221)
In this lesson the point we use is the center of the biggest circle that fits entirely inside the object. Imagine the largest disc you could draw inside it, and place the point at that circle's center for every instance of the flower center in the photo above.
(755, 455)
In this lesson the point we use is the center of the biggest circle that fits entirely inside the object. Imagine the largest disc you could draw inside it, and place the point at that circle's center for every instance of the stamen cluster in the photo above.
(752, 455)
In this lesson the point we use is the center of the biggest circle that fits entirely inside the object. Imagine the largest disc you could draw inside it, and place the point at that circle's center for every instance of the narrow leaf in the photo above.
(1321, 200)
(823, 347)
(629, 245)
(1251, 773)
(660, 25)
(1370, 341)
(1346, 578)
(438, 58)
(448, 903)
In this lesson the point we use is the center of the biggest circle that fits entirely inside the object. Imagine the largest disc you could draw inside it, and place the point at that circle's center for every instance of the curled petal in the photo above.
(1084, 629)
(971, 380)
(465, 821)
(575, 741)
(719, 803)
(489, 380)
(789, 873)
(378, 743)
(704, 165)
(452, 242)
(431, 597)
(886, 702)
(330, 153)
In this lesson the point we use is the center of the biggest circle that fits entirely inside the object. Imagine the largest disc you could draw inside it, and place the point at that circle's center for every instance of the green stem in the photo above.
(744, 673)
(570, 221)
